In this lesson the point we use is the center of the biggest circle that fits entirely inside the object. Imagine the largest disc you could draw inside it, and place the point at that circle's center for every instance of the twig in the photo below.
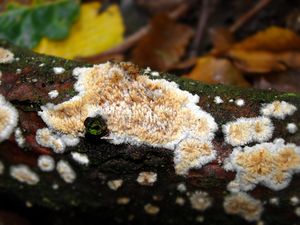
(248, 15)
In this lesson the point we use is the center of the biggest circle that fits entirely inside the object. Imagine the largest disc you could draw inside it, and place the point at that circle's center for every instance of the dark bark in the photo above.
(89, 199)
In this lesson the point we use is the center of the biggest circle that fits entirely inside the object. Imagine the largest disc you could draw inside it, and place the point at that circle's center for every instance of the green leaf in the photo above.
(25, 26)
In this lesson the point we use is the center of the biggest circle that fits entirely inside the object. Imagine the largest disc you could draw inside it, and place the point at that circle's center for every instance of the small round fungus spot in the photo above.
(151, 209)
(240, 102)
(65, 171)
(115, 184)
(272, 164)
(246, 130)
(180, 201)
(218, 100)
(292, 128)
(24, 174)
(18, 71)
(274, 201)
(147, 178)
(8, 119)
(294, 200)
(81, 158)
(181, 187)
(297, 211)
(58, 70)
(200, 200)
(6, 56)
(53, 94)
(278, 109)
(200, 219)
(28, 204)
(123, 200)
(46, 163)
(1, 168)
(19, 137)
(243, 205)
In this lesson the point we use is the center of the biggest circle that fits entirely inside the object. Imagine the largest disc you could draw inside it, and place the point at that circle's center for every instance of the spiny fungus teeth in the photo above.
(137, 110)
(271, 164)
(65, 171)
(278, 109)
(8, 119)
(247, 130)
(46, 163)
(200, 200)
(6, 56)
(243, 205)
(192, 153)
(24, 174)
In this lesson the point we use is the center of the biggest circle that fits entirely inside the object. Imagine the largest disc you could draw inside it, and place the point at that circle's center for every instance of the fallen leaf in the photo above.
(211, 70)
(93, 33)
(164, 45)
(25, 26)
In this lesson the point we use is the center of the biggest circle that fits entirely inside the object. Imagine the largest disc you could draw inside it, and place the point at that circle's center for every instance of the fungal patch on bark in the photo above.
(147, 178)
(66, 171)
(8, 119)
(292, 128)
(1, 167)
(274, 201)
(123, 200)
(193, 153)
(46, 163)
(58, 142)
(151, 209)
(240, 102)
(200, 200)
(137, 109)
(24, 174)
(115, 184)
(180, 201)
(297, 211)
(181, 187)
(243, 205)
(58, 70)
(270, 164)
(294, 200)
(6, 56)
(218, 100)
(19, 137)
(80, 158)
(278, 109)
(53, 94)
(247, 130)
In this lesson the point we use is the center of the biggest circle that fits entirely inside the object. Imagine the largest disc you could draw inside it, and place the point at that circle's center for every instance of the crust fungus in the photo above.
(292, 128)
(65, 171)
(137, 109)
(19, 137)
(278, 109)
(243, 205)
(1, 167)
(115, 184)
(8, 119)
(151, 209)
(246, 130)
(147, 178)
(24, 174)
(271, 164)
(6, 56)
(200, 200)
(81, 158)
(46, 163)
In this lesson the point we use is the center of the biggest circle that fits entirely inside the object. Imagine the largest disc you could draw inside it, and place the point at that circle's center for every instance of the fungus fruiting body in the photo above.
(147, 178)
(19, 138)
(151, 209)
(278, 109)
(6, 56)
(243, 205)
(58, 70)
(8, 119)
(24, 174)
(46, 163)
(180, 201)
(115, 184)
(240, 102)
(123, 200)
(218, 100)
(1, 167)
(65, 171)
(271, 164)
(294, 200)
(200, 200)
(137, 109)
(53, 94)
(81, 158)
(247, 130)
(292, 128)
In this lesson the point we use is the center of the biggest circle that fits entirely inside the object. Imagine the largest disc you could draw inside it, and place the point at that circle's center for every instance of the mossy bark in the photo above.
(89, 198)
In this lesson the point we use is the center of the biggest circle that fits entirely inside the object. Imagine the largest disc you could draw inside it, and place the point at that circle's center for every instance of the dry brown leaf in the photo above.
(212, 71)
(163, 46)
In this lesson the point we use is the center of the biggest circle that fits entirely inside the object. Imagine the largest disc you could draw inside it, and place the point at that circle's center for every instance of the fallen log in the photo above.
(116, 144)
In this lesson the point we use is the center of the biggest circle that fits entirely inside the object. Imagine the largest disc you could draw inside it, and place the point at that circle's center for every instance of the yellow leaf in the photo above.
(93, 33)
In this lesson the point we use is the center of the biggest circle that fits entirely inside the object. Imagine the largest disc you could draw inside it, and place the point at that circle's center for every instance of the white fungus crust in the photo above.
(137, 110)
(8, 119)
(58, 142)
(115, 184)
(278, 109)
(58, 70)
(53, 94)
(240, 102)
(80, 158)
(65, 171)
(246, 130)
(46, 163)
(147, 178)
(292, 128)
(271, 164)
(243, 205)
(200, 200)
(24, 174)
(6, 56)
(218, 100)
(19, 137)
